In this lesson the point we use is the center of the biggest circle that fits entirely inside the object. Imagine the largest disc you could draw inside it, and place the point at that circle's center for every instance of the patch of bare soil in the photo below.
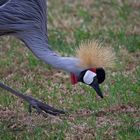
(116, 109)
(106, 117)
(129, 108)
(18, 121)
(135, 4)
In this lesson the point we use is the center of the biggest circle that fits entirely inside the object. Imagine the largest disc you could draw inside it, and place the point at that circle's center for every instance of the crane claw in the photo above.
(42, 108)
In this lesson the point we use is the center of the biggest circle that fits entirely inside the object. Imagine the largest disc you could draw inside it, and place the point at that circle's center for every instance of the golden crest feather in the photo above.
(93, 54)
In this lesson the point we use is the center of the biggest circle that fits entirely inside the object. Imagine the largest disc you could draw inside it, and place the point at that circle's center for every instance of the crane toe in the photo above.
(43, 108)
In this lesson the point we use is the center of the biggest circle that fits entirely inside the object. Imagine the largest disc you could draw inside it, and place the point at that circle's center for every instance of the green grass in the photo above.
(115, 23)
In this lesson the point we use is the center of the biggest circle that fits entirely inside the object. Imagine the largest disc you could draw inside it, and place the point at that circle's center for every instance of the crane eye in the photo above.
(89, 76)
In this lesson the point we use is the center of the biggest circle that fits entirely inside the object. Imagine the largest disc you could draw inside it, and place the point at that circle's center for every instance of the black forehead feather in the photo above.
(100, 75)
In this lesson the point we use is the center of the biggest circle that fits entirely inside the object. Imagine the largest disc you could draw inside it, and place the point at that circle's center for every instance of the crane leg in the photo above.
(41, 107)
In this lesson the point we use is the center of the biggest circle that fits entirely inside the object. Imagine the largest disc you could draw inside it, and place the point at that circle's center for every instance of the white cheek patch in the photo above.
(89, 77)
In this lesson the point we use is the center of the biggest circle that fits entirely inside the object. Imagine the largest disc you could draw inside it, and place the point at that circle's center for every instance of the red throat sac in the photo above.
(74, 79)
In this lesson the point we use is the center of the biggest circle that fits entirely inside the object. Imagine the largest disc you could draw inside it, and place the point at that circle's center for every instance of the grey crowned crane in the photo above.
(27, 21)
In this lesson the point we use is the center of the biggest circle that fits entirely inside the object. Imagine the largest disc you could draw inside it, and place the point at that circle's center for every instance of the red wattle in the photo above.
(93, 69)
(74, 79)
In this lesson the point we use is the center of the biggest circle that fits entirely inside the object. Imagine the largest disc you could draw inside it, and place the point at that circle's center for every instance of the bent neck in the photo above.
(39, 46)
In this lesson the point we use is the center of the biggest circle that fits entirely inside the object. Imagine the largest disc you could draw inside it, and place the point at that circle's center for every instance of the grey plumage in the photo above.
(23, 15)
(27, 20)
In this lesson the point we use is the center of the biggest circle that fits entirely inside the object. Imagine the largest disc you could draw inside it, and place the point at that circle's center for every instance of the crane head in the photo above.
(92, 77)
(93, 58)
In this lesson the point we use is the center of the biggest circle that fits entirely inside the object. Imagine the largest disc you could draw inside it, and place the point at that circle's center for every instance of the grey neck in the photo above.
(39, 46)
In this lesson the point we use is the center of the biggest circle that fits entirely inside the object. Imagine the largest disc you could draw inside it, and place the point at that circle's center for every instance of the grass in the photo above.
(117, 116)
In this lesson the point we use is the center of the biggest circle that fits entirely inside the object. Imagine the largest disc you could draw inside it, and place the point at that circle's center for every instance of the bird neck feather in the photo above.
(38, 44)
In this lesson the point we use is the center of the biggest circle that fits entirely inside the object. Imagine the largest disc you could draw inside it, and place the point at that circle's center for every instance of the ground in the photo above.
(116, 117)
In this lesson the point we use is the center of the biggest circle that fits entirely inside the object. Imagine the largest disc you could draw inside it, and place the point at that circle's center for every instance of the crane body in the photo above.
(27, 21)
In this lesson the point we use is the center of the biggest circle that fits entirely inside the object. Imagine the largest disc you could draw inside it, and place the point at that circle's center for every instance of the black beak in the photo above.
(95, 85)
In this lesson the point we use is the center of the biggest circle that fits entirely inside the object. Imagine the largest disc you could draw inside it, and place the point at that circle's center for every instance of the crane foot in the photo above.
(42, 108)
